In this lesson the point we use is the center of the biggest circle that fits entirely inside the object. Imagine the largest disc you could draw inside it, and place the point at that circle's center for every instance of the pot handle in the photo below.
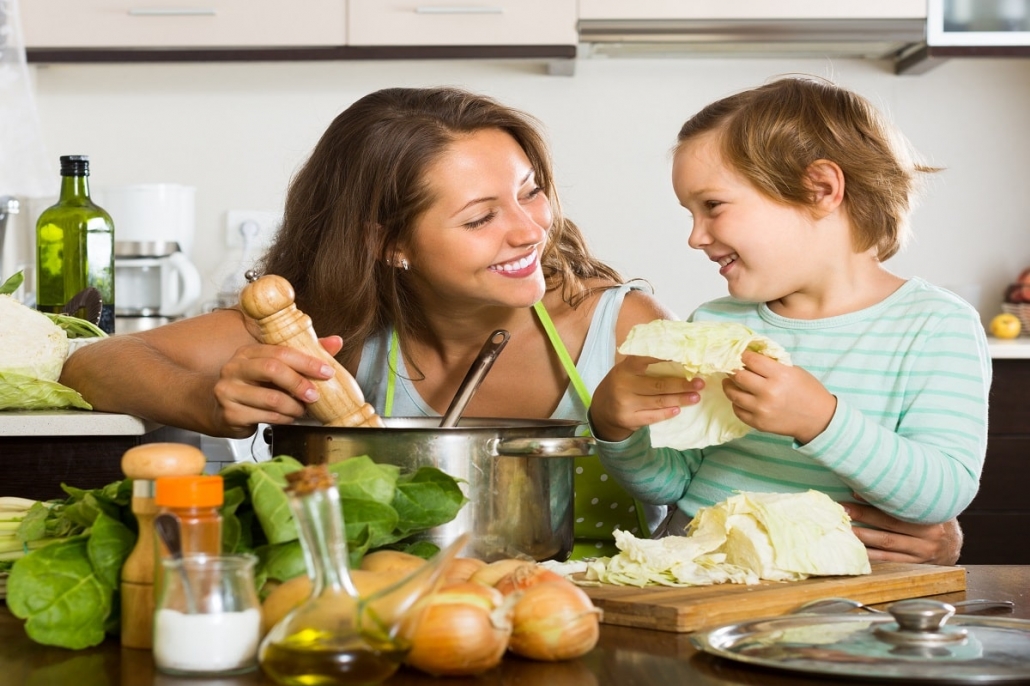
(571, 446)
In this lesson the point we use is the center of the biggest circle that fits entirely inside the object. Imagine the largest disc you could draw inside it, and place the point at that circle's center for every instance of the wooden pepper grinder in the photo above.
(144, 464)
(269, 300)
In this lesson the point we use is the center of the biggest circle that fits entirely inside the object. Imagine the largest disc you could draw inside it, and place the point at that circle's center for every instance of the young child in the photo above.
(799, 191)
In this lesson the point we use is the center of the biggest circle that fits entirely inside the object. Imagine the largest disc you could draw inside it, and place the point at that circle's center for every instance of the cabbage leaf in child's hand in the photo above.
(711, 351)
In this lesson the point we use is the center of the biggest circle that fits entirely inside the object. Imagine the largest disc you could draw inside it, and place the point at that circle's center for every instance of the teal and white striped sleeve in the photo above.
(927, 467)
(658, 476)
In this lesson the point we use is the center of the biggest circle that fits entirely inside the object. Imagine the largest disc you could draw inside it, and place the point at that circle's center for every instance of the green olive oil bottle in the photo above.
(75, 246)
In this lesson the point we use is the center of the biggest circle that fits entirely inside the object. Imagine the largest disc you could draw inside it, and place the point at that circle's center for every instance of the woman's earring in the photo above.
(405, 265)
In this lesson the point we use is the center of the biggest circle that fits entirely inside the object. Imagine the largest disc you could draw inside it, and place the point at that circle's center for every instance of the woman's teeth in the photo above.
(726, 260)
(517, 265)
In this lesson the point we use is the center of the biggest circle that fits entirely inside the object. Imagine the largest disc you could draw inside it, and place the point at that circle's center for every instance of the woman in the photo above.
(424, 220)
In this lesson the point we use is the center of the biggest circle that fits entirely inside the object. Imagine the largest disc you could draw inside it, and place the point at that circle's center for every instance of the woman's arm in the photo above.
(893, 540)
(206, 373)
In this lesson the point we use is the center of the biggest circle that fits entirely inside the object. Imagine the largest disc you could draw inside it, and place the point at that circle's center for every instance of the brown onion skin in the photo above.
(463, 631)
(497, 570)
(525, 576)
(554, 620)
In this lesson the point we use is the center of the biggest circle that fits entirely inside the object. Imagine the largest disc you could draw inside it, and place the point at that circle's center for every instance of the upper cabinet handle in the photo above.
(171, 12)
(458, 9)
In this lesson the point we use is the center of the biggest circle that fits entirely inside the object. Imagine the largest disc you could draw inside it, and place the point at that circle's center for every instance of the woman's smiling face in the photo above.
(761, 246)
(481, 239)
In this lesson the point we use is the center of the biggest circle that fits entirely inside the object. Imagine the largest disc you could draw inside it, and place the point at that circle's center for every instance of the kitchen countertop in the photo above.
(1016, 348)
(623, 656)
(72, 423)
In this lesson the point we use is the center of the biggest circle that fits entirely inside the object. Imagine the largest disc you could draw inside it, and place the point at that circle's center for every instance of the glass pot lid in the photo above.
(919, 639)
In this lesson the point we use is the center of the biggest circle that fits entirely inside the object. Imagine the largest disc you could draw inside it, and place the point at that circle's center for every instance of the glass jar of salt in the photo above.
(208, 617)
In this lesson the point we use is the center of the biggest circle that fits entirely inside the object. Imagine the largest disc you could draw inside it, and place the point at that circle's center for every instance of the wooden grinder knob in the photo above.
(269, 301)
(144, 464)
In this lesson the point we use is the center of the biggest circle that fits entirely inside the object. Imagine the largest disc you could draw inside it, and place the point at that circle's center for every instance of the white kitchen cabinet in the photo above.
(752, 9)
(146, 24)
(462, 22)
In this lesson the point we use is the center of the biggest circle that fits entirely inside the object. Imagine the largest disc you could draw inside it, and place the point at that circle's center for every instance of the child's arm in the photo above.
(923, 468)
(624, 402)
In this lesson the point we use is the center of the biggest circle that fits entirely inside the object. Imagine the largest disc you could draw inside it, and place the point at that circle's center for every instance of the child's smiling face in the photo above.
(764, 249)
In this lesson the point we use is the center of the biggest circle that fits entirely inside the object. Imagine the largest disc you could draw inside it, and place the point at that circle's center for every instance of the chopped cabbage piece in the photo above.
(746, 538)
(710, 350)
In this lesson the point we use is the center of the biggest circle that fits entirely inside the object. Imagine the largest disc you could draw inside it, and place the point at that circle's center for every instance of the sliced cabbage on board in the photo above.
(744, 539)
(710, 350)
(32, 352)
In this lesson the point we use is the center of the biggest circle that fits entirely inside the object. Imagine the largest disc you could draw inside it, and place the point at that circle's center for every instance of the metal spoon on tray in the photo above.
(487, 355)
(832, 606)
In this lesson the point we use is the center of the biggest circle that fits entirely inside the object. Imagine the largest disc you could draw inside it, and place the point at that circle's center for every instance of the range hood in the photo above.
(876, 38)
(914, 34)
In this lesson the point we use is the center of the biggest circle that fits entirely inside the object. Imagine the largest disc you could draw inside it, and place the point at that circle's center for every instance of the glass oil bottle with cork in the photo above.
(336, 637)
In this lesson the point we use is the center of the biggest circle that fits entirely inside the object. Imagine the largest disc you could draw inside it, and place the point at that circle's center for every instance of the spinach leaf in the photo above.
(55, 590)
(360, 478)
(380, 521)
(266, 484)
(426, 498)
(282, 561)
(110, 542)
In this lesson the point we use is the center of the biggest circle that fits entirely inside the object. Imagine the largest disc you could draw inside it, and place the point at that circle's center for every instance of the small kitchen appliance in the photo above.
(155, 280)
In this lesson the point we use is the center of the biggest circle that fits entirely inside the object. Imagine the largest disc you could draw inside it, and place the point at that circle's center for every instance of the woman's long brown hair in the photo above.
(361, 192)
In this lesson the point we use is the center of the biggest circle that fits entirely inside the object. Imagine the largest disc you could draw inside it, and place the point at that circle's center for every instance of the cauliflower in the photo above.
(30, 343)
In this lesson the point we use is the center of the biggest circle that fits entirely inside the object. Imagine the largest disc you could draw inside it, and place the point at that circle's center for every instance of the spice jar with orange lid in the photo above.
(194, 500)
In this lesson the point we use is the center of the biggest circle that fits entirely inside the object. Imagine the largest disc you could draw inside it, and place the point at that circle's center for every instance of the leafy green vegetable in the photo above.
(75, 327)
(21, 392)
(711, 351)
(55, 590)
(67, 590)
(12, 284)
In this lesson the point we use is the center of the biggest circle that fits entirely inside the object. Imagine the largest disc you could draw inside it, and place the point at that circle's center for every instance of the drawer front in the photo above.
(183, 23)
(462, 22)
(1009, 407)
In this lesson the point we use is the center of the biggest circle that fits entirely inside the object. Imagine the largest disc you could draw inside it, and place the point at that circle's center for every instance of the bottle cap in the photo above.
(74, 165)
(189, 491)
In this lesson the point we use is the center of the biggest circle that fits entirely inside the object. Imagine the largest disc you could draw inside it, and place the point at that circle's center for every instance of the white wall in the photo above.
(238, 131)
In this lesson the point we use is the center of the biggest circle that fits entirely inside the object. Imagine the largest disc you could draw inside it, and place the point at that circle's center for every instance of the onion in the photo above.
(495, 571)
(462, 569)
(525, 576)
(554, 620)
(463, 630)
(391, 561)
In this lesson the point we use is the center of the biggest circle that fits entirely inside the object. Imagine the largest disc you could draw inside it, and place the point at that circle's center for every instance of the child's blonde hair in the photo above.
(773, 133)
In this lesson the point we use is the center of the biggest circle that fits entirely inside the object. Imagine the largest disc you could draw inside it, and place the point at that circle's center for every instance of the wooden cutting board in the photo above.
(696, 607)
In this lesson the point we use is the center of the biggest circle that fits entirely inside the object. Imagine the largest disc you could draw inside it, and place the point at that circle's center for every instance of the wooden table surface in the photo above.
(624, 656)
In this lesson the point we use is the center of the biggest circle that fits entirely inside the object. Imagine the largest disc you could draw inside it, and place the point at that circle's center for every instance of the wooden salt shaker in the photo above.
(144, 464)
(269, 300)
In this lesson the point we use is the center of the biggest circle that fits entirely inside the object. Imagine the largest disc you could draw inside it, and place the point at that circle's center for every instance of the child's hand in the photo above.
(779, 399)
(627, 399)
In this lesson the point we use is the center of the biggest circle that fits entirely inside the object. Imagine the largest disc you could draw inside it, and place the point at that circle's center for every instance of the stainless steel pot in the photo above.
(516, 473)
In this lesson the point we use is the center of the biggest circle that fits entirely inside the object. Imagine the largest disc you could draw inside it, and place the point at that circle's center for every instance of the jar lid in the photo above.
(189, 491)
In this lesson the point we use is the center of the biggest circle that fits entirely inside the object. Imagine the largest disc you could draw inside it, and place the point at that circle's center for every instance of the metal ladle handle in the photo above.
(487, 355)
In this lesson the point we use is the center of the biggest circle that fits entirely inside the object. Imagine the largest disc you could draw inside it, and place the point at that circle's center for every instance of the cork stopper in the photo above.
(316, 477)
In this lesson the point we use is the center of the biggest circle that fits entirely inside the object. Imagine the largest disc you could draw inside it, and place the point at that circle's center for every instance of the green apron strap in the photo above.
(563, 353)
(584, 395)
(391, 373)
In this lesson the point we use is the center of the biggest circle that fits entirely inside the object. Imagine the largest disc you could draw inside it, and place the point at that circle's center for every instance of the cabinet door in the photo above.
(462, 22)
(752, 9)
(182, 23)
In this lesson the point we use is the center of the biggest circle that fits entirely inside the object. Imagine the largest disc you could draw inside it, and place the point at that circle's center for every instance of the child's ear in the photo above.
(825, 179)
